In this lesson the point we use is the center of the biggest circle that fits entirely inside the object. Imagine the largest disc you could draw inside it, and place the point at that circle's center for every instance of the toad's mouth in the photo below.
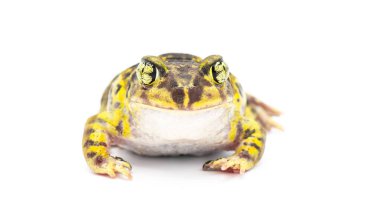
(136, 106)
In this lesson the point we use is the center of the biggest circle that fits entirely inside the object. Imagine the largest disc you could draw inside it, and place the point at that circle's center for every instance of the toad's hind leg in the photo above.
(263, 113)
(97, 138)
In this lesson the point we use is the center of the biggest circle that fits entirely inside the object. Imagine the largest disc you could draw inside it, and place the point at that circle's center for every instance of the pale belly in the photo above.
(159, 132)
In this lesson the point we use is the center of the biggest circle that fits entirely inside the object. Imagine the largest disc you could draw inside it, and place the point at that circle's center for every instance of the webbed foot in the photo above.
(234, 164)
(112, 166)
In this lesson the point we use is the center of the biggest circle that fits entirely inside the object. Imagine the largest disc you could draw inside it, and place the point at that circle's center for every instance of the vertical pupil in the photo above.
(153, 74)
(214, 73)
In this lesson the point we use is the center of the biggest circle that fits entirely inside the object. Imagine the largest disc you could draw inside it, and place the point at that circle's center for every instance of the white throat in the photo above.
(158, 131)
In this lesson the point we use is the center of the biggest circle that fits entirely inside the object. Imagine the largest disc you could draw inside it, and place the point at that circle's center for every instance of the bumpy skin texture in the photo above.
(185, 83)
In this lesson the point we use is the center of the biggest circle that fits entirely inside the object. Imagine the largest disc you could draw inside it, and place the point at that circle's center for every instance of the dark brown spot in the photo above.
(119, 128)
(127, 86)
(248, 133)
(169, 82)
(201, 81)
(245, 154)
(91, 154)
(94, 143)
(128, 72)
(172, 83)
(89, 131)
(255, 146)
(118, 87)
(196, 81)
(251, 100)
(195, 94)
(222, 94)
(178, 95)
(99, 143)
(116, 105)
(134, 77)
(126, 75)
(99, 160)
(88, 143)
(144, 97)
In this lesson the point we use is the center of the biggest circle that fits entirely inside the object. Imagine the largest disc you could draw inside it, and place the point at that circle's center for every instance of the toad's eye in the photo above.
(219, 72)
(147, 73)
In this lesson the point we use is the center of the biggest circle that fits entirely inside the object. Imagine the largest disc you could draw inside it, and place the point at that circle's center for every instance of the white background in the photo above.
(317, 61)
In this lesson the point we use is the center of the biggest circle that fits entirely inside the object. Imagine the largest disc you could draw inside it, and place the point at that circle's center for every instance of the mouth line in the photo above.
(225, 104)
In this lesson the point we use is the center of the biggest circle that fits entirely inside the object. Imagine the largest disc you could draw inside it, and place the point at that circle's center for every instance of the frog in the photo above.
(178, 104)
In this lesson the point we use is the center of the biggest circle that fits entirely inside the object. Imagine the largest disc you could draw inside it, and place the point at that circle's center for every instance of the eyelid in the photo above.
(208, 62)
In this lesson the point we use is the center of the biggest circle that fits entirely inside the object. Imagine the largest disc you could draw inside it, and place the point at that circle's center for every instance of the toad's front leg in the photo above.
(247, 154)
(97, 139)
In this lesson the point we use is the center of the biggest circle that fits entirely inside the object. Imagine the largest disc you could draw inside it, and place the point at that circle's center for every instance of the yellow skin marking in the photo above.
(178, 83)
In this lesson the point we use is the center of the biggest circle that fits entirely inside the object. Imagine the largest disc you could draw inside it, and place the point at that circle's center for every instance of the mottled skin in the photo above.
(184, 84)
